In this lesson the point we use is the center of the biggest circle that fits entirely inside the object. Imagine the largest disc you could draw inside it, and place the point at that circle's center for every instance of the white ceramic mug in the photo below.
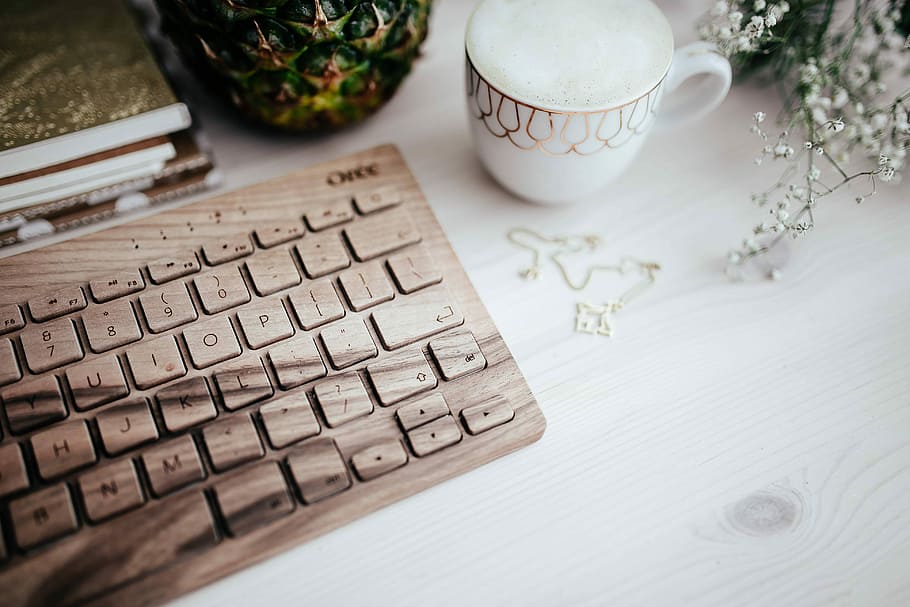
(556, 146)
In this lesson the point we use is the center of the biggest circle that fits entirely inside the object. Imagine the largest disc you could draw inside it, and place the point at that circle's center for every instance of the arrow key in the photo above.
(434, 436)
(423, 411)
(488, 414)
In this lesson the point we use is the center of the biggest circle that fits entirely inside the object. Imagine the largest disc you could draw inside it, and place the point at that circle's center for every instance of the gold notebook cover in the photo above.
(66, 66)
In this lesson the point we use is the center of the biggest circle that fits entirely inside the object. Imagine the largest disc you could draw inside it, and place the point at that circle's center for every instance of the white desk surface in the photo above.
(732, 444)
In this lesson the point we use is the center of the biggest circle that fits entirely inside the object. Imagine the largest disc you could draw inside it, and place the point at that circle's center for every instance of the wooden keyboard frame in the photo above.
(80, 568)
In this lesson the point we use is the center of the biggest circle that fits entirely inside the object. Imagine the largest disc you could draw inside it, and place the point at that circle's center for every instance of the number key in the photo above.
(221, 290)
(168, 308)
(111, 326)
(51, 345)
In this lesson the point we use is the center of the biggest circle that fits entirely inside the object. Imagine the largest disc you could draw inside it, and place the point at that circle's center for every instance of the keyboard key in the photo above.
(211, 341)
(272, 271)
(288, 419)
(110, 490)
(370, 201)
(343, 398)
(322, 254)
(423, 411)
(155, 362)
(379, 459)
(168, 307)
(9, 366)
(232, 441)
(179, 265)
(51, 345)
(42, 516)
(221, 290)
(436, 435)
(13, 476)
(297, 362)
(111, 326)
(173, 465)
(63, 301)
(366, 286)
(381, 233)
(96, 382)
(118, 285)
(347, 343)
(34, 403)
(401, 375)
(494, 412)
(318, 470)
(265, 323)
(274, 234)
(320, 217)
(316, 304)
(243, 383)
(63, 448)
(124, 427)
(186, 404)
(414, 269)
(253, 498)
(457, 355)
(227, 249)
(11, 318)
(416, 317)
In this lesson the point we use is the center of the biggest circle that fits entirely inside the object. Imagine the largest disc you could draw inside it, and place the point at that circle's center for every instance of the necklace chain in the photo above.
(589, 318)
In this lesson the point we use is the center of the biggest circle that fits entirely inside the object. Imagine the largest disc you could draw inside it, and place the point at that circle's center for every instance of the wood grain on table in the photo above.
(732, 444)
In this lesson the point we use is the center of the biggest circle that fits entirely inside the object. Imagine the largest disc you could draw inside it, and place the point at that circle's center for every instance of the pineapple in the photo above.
(300, 64)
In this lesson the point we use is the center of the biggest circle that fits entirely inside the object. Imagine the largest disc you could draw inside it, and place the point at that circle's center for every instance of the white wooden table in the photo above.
(732, 444)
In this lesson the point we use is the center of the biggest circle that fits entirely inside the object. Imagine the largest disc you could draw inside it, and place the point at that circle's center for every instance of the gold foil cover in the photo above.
(67, 66)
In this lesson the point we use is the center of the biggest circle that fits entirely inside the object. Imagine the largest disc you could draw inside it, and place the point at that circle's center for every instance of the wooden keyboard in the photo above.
(188, 394)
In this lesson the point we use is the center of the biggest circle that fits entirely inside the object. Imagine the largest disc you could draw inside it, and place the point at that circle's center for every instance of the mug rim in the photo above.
(567, 110)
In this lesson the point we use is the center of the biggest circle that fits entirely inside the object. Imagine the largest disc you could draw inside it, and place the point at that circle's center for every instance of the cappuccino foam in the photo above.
(576, 54)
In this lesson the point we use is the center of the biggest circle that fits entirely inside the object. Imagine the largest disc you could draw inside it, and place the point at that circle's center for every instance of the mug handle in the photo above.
(699, 100)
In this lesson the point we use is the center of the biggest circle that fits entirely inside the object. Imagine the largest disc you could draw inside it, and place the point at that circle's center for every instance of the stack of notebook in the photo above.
(90, 125)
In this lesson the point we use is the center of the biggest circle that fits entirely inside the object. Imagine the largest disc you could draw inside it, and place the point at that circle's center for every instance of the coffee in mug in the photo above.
(562, 95)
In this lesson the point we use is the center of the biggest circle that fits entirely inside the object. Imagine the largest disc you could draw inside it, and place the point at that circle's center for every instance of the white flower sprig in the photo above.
(838, 104)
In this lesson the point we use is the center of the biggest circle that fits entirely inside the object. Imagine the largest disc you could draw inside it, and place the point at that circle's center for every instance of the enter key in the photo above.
(416, 317)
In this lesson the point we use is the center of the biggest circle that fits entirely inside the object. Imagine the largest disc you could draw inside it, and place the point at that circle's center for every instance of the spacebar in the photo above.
(416, 317)
(96, 561)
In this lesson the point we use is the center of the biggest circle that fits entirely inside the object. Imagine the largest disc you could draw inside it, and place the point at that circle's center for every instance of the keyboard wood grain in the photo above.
(176, 543)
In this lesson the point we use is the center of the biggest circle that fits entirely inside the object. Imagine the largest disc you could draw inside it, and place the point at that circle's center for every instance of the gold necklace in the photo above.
(590, 318)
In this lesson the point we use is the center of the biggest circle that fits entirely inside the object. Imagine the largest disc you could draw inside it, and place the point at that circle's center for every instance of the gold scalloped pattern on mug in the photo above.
(553, 132)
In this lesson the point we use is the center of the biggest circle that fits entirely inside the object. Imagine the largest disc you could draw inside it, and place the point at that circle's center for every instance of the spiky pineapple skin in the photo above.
(300, 64)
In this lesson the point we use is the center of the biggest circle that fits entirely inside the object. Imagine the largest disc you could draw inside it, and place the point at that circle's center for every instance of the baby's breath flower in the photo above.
(836, 125)
(840, 111)
(783, 150)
